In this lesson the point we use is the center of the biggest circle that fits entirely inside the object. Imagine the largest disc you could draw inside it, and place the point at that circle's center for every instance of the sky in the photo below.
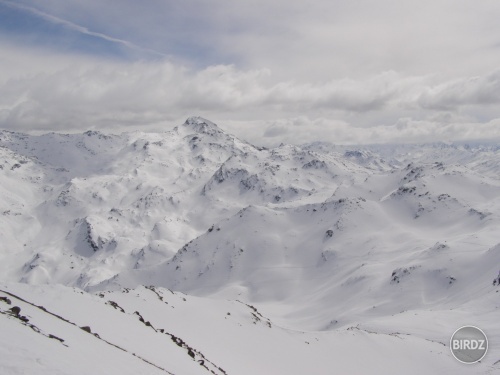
(342, 71)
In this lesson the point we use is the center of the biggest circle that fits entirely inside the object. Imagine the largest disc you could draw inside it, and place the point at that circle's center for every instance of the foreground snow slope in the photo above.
(154, 331)
(374, 252)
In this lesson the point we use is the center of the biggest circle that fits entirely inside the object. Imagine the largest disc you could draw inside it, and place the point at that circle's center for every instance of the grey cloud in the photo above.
(344, 94)
(463, 92)
(275, 131)
(66, 93)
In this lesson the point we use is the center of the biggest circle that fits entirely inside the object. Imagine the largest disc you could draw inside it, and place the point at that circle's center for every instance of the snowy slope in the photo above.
(155, 331)
(352, 248)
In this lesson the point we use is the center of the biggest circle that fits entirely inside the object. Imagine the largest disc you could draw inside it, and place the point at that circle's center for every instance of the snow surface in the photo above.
(191, 252)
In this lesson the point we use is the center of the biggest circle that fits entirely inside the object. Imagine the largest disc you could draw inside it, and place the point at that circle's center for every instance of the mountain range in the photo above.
(192, 251)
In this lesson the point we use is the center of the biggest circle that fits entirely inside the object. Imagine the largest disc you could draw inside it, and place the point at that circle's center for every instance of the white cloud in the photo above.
(41, 91)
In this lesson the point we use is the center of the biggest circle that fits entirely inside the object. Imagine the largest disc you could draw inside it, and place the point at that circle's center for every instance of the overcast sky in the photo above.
(344, 71)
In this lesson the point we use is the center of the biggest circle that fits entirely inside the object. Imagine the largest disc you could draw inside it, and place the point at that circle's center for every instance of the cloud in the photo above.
(463, 92)
(337, 39)
(68, 93)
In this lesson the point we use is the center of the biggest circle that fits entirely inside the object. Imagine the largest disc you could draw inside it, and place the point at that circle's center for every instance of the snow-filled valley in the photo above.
(193, 252)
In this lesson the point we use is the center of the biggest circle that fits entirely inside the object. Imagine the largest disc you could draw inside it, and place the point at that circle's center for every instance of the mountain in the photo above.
(225, 246)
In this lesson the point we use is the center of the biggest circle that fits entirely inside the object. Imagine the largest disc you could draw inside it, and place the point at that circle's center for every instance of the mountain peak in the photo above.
(201, 125)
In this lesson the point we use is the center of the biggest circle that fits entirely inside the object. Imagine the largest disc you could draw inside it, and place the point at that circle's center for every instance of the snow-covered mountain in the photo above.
(272, 261)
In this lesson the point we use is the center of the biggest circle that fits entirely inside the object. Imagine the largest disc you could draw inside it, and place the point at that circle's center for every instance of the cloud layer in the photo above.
(123, 96)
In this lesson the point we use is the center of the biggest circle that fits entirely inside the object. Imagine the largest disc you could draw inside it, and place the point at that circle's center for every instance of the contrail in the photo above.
(80, 29)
